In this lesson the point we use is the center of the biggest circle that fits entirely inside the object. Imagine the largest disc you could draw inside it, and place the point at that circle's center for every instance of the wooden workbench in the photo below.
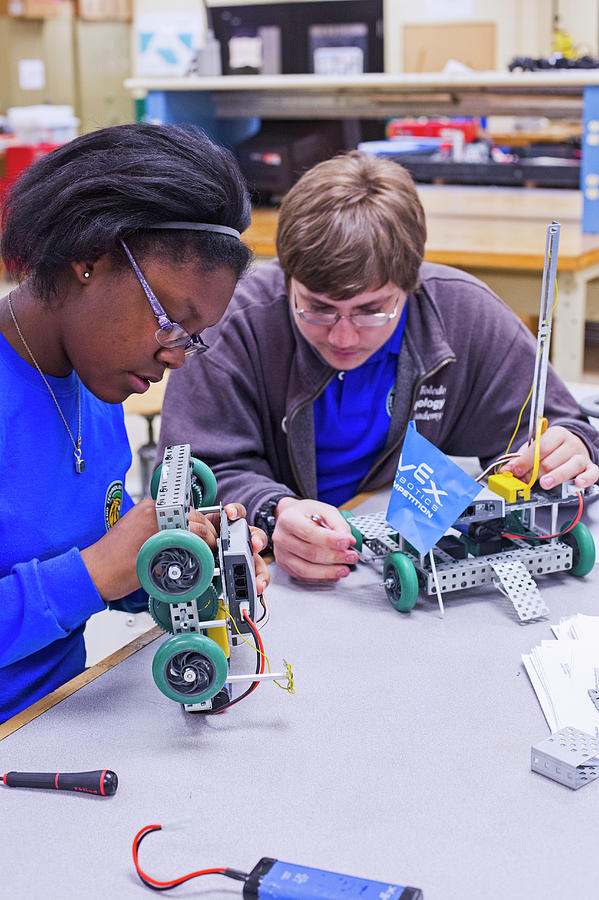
(498, 234)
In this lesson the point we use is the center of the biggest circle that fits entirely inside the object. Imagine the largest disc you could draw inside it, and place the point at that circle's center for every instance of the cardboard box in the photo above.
(36, 9)
(105, 10)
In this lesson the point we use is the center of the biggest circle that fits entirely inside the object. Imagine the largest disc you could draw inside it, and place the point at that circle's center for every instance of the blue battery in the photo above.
(272, 878)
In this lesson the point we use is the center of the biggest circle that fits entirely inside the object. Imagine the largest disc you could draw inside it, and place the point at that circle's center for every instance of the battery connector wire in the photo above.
(260, 657)
(175, 882)
(284, 687)
(543, 537)
(263, 620)
(498, 462)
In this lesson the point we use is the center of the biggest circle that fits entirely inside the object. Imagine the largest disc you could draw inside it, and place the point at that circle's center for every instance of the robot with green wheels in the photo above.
(498, 539)
(478, 551)
(207, 604)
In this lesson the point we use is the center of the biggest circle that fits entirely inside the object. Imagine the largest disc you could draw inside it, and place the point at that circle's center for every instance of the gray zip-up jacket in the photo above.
(464, 370)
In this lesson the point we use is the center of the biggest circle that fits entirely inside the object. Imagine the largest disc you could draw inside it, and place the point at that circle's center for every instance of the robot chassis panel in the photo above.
(191, 597)
(510, 565)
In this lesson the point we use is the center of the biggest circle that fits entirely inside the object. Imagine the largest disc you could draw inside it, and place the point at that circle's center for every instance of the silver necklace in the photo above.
(79, 462)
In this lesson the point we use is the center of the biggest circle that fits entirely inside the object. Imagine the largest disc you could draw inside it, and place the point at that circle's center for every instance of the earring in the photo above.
(86, 274)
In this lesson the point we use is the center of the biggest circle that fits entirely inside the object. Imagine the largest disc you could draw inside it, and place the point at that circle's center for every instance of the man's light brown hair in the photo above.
(350, 225)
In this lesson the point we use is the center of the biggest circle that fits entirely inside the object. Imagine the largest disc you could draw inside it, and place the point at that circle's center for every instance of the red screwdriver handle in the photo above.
(102, 781)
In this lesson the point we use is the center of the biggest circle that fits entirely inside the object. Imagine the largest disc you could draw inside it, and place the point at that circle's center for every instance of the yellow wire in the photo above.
(541, 425)
(507, 449)
(289, 686)
(525, 404)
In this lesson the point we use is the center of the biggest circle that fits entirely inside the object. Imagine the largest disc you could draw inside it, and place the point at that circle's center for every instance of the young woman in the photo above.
(126, 244)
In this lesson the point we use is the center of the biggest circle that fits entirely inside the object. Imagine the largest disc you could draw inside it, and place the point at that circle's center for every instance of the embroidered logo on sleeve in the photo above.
(430, 403)
(113, 503)
(390, 400)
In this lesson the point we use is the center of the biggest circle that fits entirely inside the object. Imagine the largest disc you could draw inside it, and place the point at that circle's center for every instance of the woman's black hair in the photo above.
(79, 201)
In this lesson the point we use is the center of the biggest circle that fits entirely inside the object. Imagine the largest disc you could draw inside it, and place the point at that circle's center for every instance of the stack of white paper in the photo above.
(563, 671)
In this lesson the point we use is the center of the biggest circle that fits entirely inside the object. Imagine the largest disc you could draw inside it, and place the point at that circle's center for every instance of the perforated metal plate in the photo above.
(569, 756)
(517, 584)
(184, 617)
(174, 491)
(379, 536)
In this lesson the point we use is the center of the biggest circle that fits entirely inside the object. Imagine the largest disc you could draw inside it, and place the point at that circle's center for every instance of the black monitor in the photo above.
(336, 37)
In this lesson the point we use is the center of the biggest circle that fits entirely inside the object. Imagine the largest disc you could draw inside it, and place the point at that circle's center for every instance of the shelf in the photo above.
(557, 94)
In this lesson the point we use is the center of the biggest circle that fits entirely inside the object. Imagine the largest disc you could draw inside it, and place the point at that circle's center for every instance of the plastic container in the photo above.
(42, 124)
(400, 145)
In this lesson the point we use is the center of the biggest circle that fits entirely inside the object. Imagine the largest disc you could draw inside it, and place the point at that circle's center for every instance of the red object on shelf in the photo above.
(431, 128)
(20, 156)
(17, 158)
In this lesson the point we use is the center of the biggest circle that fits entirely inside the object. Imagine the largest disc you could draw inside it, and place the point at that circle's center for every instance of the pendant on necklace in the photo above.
(79, 463)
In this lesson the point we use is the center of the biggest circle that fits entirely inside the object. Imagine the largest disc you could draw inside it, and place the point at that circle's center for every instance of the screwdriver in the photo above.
(102, 781)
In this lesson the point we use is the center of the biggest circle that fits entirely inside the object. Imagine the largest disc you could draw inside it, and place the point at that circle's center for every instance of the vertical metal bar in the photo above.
(548, 293)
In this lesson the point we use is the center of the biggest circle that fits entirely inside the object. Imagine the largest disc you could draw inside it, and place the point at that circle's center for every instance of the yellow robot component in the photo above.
(541, 429)
(509, 487)
(219, 634)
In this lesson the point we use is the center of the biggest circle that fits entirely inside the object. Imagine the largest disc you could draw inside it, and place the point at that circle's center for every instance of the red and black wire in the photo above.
(537, 537)
(175, 882)
(259, 669)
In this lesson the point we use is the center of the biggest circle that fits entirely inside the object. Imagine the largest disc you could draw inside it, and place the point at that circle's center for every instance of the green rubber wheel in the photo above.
(207, 609)
(348, 516)
(203, 484)
(401, 581)
(161, 613)
(155, 482)
(583, 549)
(175, 565)
(189, 668)
(207, 605)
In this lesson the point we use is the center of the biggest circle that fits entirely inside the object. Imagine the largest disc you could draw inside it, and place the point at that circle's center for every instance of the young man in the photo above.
(325, 355)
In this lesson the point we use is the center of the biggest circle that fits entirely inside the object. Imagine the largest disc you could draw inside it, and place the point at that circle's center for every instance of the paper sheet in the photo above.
(562, 672)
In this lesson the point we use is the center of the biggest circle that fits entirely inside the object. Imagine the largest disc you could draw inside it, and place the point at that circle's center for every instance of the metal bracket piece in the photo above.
(594, 695)
(569, 756)
(516, 582)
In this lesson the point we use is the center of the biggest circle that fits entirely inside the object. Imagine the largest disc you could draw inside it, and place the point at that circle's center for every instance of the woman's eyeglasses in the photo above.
(169, 334)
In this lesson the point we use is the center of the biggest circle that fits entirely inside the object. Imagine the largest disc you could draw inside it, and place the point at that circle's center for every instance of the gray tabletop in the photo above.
(404, 755)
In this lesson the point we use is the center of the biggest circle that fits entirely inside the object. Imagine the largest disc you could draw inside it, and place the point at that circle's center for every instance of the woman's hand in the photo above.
(563, 456)
(306, 550)
(112, 560)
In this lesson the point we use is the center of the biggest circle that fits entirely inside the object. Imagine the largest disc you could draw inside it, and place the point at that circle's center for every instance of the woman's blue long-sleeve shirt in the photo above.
(48, 513)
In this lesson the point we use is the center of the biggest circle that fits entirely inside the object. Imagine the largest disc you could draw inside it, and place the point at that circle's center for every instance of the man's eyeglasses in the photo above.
(361, 320)
(169, 334)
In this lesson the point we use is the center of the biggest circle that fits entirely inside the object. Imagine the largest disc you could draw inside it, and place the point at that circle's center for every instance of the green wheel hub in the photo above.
(583, 549)
(401, 581)
(161, 613)
(175, 565)
(155, 482)
(207, 605)
(189, 668)
(203, 484)
(348, 516)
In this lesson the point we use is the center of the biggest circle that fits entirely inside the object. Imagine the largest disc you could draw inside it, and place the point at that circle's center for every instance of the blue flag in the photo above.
(429, 492)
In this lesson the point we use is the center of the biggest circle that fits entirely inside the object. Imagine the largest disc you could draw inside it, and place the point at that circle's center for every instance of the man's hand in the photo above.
(305, 549)
(563, 456)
